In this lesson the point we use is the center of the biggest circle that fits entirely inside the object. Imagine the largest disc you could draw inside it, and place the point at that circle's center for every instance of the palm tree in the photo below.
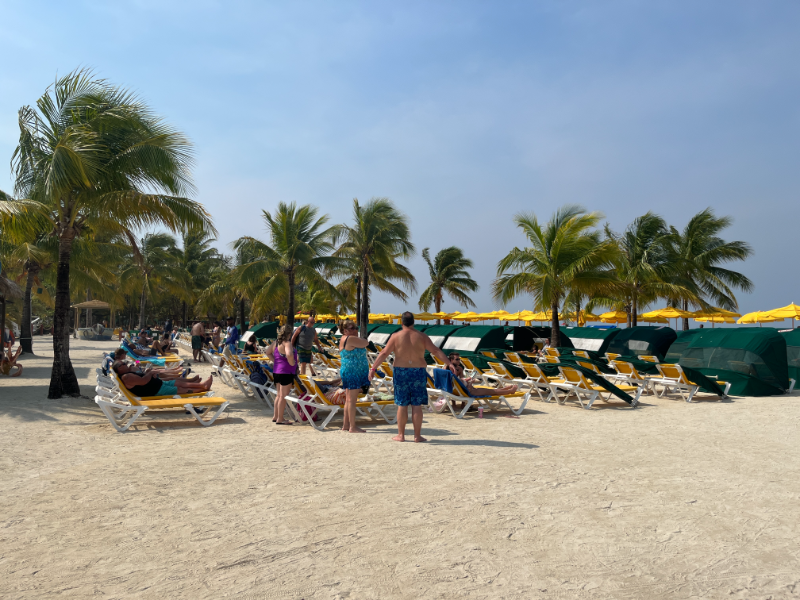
(299, 250)
(565, 255)
(645, 269)
(201, 262)
(700, 251)
(371, 248)
(92, 155)
(448, 274)
(153, 268)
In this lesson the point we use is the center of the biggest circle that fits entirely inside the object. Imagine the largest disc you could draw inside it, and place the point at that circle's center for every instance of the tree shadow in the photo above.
(473, 442)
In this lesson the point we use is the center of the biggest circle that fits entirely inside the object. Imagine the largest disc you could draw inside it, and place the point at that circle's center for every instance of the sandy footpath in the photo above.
(670, 500)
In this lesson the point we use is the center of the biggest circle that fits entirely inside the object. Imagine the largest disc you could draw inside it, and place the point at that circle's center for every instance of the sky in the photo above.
(462, 113)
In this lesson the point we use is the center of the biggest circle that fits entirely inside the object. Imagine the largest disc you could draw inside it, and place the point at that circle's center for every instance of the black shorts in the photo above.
(283, 378)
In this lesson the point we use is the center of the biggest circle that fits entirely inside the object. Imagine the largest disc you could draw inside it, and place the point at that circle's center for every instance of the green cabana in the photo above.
(325, 329)
(752, 359)
(440, 333)
(261, 331)
(590, 338)
(370, 328)
(793, 352)
(475, 337)
(637, 341)
(382, 334)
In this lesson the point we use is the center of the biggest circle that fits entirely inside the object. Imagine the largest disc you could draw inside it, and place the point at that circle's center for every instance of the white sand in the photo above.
(671, 500)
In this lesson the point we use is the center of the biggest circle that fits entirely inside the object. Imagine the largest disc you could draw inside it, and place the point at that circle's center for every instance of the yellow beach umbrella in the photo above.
(652, 319)
(425, 316)
(614, 316)
(758, 317)
(467, 316)
(668, 313)
(716, 315)
(787, 312)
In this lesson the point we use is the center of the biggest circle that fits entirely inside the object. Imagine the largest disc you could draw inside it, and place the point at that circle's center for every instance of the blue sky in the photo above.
(463, 113)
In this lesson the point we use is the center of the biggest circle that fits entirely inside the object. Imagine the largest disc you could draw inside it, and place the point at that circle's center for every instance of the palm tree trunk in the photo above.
(290, 308)
(183, 314)
(578, 311)
(438, 302)
(142, 303)
(358, 301)
(555, 330)
(365, 305)
(686, 319)
(62, 378)
(241, 313)
(635, 311)
(26, 334)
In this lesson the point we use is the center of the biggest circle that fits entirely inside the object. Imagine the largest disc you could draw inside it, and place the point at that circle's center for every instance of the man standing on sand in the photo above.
(304, 339)
(410, 377)
(198, 335)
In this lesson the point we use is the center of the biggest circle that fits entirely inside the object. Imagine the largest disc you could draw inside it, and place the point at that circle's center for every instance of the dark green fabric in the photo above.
(441, 331)
(475, 337)
(325, 329)
(266, 330)
(551, 370)
(590, 338)
(793, 352)
(637, 341)
(753, 359)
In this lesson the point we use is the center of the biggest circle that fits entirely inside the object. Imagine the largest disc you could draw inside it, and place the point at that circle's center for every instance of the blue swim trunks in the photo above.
(168, 388)
(410, 386)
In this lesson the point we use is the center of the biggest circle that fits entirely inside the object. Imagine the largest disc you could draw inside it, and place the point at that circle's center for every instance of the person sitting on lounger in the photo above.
(163, 346)
(476, 391)
(9, 362)
(250, 346)
(150, 384)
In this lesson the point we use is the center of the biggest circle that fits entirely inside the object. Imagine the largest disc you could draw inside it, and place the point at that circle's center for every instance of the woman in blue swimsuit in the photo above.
(354, 372)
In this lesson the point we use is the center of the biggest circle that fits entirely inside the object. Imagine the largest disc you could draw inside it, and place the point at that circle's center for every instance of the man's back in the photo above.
(197, 329)
(409, 348)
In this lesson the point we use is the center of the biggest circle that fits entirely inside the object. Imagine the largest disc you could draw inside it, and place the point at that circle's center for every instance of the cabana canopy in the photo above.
(262, 330)
(325, 328)
(590, 338)
(440, 333)
(753, 359)
(382, 334)
(635, 341)
(793, 352)
(476, 337)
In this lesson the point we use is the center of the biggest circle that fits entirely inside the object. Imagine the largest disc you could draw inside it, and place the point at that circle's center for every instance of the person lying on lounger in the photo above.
(150, 384)
(164, 373)
(163, 347)
(9, 362)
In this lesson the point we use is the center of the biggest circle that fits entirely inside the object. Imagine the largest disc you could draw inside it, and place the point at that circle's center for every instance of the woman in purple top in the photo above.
(284, 370)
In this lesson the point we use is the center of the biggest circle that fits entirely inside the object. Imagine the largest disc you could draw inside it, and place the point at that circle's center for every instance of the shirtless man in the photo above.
(198, 335)
(150, 384)
(410, 377)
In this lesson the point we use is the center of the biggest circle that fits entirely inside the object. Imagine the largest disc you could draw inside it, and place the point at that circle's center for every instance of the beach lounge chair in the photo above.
(553, 360)
(513, 357)
(552, 352)
(314, 401)
(122, 414)
(489, 402)
(673, 379)
(575, 383)
(538, 381)
(581, 353)
(612, 356)
(589, 366)
(627, 373)
(471, 371)
(489, 354)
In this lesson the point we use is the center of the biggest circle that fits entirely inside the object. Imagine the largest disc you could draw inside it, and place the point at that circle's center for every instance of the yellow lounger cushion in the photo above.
(181, 402)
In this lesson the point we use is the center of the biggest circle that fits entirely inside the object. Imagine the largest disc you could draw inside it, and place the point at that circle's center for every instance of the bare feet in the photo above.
(399, 438)
(357, 430)
(207, 383)
(419, 439)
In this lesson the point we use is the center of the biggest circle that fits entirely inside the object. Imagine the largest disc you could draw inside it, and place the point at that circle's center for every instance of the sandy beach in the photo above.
(671, 500)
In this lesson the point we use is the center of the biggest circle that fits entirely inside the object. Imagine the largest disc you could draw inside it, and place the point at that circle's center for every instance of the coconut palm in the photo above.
(202, 263)
(91, 155)
(565, 255)
(449, 274)
(698, 251)
(154, 267)
(299, 250)
(645, 268)
(371, 248)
